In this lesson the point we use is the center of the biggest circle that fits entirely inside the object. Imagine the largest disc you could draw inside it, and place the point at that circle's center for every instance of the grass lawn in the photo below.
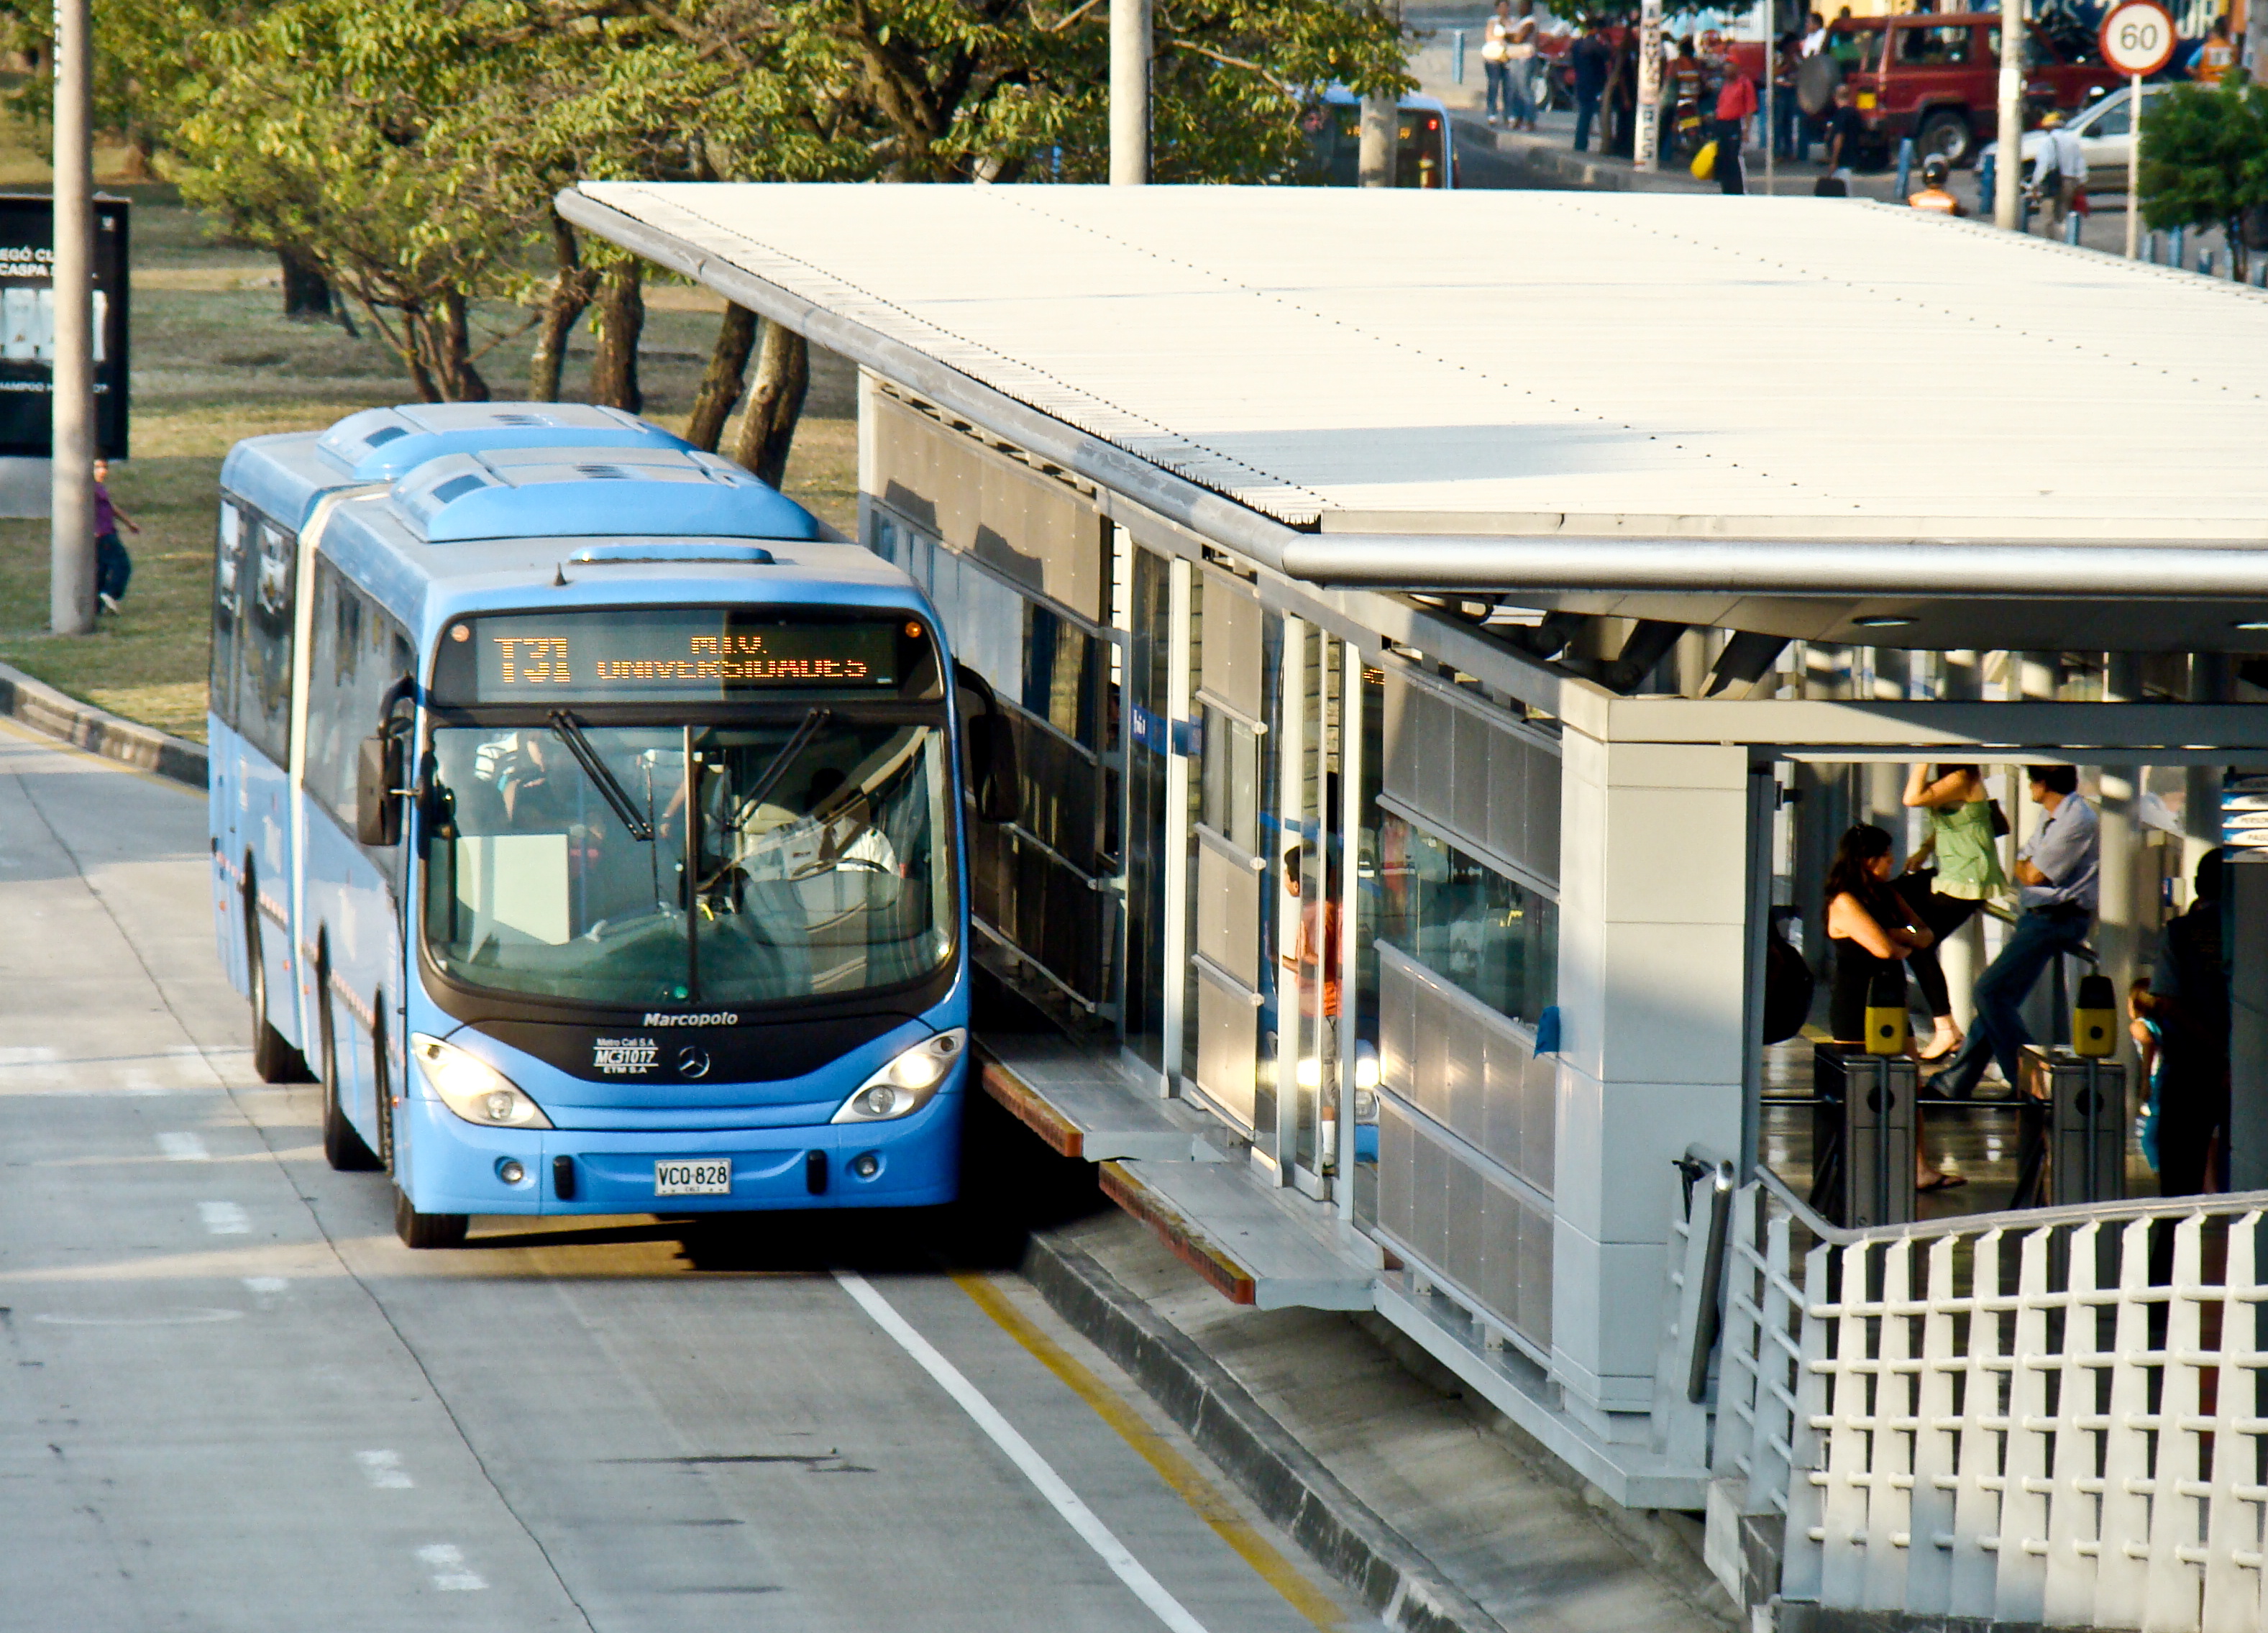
(214, 360)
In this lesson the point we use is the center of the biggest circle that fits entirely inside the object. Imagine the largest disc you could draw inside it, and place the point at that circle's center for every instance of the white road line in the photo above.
(447, 1562)
(266, 1289)
(385, 1471)
(1035, 1467)
(184, 1147)
(225, 1218)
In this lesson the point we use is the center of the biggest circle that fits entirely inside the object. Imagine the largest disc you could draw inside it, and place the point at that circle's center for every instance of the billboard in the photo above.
(27, 325)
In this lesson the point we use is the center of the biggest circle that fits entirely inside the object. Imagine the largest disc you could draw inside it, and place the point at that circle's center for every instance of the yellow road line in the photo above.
(1186, 1481)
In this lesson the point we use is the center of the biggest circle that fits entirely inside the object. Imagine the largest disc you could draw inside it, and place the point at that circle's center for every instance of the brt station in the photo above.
(1445, 650)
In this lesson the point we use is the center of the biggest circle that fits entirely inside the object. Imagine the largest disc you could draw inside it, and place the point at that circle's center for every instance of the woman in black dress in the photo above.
(1872, 929)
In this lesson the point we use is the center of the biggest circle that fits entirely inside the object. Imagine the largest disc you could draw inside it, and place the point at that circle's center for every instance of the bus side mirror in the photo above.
(378, 774)
(994, 777)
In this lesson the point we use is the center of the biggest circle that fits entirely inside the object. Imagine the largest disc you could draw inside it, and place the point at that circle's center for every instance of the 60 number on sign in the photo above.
(2137, 37)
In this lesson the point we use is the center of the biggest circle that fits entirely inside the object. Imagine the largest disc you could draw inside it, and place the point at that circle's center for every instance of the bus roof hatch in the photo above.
(381, 445)
(581, 493)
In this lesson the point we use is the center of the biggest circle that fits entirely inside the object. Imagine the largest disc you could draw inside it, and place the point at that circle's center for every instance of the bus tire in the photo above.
(342, 1148)
(274, 1060)
(427, 1230)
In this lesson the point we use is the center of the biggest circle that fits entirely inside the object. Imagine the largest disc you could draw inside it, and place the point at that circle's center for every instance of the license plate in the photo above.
(710, 1177)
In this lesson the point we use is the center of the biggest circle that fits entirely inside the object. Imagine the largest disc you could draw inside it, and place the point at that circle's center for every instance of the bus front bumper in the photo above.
(454, 1167)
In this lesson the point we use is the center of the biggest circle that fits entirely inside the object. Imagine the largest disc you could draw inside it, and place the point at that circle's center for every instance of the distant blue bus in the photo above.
(586, 825)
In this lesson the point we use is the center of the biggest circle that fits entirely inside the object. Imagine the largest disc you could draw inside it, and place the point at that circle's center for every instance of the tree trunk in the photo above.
(443, 366)
(571, 289)
(307, 293)
(720, 386)
(775, 404)
(622, 314)
(2240, 255)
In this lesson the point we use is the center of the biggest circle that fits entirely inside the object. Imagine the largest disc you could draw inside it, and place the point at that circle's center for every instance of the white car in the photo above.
(2106, 135)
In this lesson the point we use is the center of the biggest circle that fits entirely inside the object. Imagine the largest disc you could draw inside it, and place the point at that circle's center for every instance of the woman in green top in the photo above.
(1966, 872)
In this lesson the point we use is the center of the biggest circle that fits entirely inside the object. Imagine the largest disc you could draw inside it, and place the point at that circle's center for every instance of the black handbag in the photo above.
(1788, 982)
(2000, 821)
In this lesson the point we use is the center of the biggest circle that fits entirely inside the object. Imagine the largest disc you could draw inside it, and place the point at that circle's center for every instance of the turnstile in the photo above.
(1862, 1136)
(2074, 1130)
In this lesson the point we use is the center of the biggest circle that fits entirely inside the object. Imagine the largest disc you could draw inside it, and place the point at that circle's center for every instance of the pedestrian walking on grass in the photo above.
(113, 566)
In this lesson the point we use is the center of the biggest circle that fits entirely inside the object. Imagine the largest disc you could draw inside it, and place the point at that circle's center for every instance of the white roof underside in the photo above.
(1527, 362)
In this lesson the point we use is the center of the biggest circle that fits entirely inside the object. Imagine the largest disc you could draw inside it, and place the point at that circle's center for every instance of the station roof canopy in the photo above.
(1765, 413)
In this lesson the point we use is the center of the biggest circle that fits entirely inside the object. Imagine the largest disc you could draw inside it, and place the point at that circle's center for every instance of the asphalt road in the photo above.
(230, 1400)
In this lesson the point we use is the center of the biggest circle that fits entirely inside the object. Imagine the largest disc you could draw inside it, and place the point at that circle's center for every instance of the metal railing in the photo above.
(2056, 1416)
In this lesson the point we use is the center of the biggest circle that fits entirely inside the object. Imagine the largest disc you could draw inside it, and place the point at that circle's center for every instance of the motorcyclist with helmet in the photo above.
(1934, 194)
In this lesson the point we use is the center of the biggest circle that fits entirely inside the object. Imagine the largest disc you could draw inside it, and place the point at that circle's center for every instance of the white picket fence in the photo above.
(2007, 1416)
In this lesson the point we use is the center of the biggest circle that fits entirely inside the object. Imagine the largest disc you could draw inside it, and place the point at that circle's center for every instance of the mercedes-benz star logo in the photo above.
(693, 1062)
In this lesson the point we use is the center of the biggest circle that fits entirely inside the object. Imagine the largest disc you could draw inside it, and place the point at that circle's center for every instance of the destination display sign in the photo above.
(691, 656)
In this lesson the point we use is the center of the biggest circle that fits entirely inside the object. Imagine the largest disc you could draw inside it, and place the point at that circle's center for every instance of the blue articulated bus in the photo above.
(586, 825)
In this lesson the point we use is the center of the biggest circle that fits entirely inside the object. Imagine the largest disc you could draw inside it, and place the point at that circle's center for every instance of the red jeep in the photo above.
(1934, 76)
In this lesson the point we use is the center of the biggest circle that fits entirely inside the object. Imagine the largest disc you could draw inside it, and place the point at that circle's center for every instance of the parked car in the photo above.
(1934, 76)
(2106, 135)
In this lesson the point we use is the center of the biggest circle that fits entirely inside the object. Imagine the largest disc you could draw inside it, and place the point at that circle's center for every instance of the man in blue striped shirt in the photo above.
(2056, 875)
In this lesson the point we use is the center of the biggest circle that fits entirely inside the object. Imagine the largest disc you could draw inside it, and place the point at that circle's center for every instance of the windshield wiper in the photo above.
(789, 751)
(587, 757)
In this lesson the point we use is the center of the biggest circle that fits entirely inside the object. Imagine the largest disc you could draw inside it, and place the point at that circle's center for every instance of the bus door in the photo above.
(266, 626)
(224, 754)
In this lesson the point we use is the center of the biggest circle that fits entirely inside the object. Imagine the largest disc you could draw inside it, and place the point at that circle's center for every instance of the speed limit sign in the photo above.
(2137, 37)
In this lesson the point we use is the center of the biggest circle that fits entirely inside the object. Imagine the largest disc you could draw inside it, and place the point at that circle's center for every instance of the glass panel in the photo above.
(821, 875)
(1149, 752)
(228, 564)
(263, 696)
(1466, 923)
(1231, 801)
(1935, 48)
(359, 653)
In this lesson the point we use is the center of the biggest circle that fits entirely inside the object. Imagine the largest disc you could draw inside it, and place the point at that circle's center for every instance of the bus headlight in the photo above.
(908, 1083)
(472, 1088)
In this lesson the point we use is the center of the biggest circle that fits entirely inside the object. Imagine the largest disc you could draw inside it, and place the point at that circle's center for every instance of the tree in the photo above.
(2204, 158)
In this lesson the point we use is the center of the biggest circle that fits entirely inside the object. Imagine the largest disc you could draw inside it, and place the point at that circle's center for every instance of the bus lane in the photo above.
(230, 1397)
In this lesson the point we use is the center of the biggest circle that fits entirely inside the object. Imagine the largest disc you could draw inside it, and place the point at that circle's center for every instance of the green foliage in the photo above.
(2205, 157)
(409, 149)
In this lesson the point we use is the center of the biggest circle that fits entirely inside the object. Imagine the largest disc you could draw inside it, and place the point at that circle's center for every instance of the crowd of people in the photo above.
(1884, 922)
(1709, 97)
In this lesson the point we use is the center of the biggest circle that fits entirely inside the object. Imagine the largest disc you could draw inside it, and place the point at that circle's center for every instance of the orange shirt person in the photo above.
(1934, 195)
(2216, 57)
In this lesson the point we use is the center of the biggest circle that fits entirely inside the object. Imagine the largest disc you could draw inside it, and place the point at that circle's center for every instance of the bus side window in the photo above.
(359, 655)
(264, 637)
(228, 564)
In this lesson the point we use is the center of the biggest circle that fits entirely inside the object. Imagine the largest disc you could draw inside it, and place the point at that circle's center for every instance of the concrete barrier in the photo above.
(44, 708)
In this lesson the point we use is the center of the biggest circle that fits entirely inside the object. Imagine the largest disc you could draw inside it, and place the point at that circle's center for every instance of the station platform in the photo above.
(1183, 1173)
(1173, 1167)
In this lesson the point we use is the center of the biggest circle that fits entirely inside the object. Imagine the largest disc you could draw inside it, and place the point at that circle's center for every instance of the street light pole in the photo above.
(70, 571)
(2009, 167)
(1129, 92)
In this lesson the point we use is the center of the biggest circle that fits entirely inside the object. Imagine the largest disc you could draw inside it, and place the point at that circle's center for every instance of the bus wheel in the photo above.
(342, 1148)
(273, 1059)
(427, 1230)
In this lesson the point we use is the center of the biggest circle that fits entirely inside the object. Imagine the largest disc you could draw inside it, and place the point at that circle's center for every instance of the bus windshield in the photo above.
(627, 866)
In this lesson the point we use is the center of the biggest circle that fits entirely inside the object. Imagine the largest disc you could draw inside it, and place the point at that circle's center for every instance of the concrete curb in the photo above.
(1291, 1486)
(43, 709)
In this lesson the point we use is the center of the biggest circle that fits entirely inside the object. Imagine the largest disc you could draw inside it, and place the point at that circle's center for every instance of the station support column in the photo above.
(1652, 958)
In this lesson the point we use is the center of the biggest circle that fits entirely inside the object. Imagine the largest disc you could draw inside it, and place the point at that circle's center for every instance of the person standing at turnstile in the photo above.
(1872, 933)
(1951, 875)
(2055, 874)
